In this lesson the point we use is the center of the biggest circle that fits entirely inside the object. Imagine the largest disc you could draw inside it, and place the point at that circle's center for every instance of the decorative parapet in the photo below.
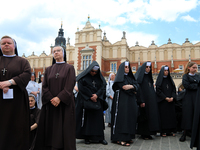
(87, 49)
(152, 43)
(173, 75)
(169, 41)
(187, 40)
(124, 35)
(136, 44)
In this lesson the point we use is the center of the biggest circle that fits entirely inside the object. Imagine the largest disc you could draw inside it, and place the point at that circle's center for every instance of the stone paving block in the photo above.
(158, 143)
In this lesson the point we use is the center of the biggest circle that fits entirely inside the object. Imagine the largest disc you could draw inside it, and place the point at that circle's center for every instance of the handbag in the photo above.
(88, 104)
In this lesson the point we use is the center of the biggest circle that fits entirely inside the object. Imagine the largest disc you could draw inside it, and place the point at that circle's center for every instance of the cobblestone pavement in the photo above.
(158, 143)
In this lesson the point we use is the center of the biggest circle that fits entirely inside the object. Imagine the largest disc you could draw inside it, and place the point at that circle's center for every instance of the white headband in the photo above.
(166, 68)
(95, 68)
(126, 63)
(148, 64)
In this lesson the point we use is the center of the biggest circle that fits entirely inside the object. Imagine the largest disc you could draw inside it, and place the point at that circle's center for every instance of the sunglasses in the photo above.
(93, 71)
(148, 66)
(126, 67)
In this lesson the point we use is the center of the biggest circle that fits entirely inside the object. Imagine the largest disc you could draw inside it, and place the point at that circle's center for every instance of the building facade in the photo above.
(91, 45)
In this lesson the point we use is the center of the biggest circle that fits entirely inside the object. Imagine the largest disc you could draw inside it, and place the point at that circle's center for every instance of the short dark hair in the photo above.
(6, 36)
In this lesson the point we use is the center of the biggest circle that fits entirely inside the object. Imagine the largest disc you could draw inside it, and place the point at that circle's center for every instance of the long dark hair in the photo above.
(189, 64)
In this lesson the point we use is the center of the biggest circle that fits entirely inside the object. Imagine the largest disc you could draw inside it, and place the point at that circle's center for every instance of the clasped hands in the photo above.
(127, 87)
(55, 101)
(142, 105)
(94, 97)
(5, 86)
(169, 99)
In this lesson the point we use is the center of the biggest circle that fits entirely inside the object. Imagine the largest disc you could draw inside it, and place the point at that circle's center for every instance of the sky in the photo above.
(35, 24)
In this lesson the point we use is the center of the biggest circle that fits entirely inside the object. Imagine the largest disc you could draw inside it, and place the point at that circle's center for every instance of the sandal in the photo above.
(131, 141)
(163, 134)
(123, 143)
(146, 137)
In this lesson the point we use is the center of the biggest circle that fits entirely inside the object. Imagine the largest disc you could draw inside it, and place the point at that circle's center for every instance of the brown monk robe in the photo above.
(15, 73)
(56, 129)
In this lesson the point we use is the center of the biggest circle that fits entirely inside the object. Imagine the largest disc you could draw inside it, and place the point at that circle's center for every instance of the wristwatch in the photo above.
(10, 82)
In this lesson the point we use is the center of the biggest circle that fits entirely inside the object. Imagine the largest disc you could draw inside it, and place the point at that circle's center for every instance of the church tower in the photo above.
(60, 40)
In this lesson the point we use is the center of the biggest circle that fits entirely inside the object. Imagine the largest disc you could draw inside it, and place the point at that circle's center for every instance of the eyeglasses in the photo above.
(56, 50)
(126, 67)
(148, 66)
(93, 71)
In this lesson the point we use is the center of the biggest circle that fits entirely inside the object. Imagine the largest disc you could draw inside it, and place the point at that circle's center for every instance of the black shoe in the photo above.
(87, 141)
(182, 138)
(149, 137)
(143, 137)
(104, 142)
(188, 133)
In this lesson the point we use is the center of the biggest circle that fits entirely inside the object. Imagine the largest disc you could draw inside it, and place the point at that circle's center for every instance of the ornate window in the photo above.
(181, 68)
(113, 67)
(86, 54)
(134, 69)
(87, 60)
(198, 68)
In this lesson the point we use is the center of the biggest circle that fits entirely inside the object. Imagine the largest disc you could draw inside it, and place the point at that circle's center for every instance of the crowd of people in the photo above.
(63, 107)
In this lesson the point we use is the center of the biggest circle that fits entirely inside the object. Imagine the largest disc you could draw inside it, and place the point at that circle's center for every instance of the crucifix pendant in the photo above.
(4, 71)
(93, 82)
(149, 84)
(57, 74)
(167, 86)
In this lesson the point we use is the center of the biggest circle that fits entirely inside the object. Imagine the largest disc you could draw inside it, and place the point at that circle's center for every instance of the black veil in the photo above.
(41, 75)
(88, 69)
(33, 73)
(120, 75)
(160, 76)
(140, 73)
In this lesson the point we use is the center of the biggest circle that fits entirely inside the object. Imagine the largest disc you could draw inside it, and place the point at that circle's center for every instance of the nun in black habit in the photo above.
(34, 117)
(166, 96)
(90, 122)
(148, 120)
(124, 106)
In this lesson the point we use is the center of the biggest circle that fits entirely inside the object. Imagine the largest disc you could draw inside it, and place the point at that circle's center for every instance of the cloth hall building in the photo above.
(91, 45)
